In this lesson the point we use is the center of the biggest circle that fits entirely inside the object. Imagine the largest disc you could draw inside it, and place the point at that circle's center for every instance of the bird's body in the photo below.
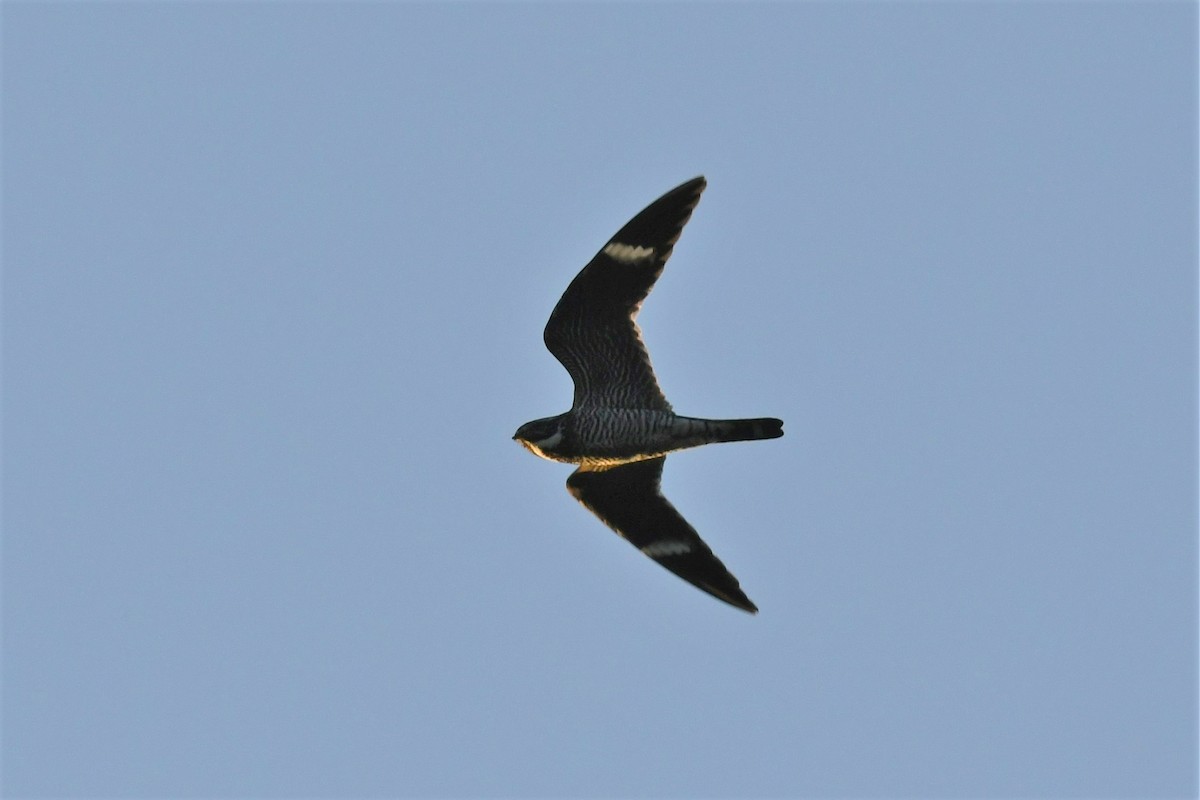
(620, 426)
(600, 438)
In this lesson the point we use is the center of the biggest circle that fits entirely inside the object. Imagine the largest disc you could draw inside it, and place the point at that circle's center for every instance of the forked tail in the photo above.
(741, 430)
(693, 431)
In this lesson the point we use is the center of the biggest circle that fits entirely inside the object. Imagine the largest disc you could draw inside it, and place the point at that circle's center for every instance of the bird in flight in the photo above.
(620, 426)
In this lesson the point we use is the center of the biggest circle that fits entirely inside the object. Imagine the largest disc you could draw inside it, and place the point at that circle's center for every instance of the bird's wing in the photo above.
(628, 499)
(592, 329)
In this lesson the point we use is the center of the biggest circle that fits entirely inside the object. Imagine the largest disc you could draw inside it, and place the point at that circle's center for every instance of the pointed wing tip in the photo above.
(738, 600)
(695, 187)
(658, 225)
(748, 607)
(722, 585)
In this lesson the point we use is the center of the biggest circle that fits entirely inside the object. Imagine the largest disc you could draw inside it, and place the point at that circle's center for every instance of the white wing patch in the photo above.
(628, 253)
(666, 547)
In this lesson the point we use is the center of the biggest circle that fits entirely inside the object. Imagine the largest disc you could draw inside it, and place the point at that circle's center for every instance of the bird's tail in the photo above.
(690, 431)
(741, 430)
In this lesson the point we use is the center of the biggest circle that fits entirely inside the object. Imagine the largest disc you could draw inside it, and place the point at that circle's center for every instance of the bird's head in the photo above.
(542, 436)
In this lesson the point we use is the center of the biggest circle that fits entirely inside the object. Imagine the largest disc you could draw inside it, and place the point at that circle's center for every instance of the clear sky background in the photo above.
(275, 277)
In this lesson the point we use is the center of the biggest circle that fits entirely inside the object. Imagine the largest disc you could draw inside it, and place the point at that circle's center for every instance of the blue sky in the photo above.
(275, 277)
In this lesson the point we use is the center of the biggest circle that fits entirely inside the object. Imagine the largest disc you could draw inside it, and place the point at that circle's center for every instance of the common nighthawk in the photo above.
(620, 426)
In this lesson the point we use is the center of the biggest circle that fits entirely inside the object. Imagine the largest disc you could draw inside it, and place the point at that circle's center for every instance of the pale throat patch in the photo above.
(550, 441)
(539, 447)
(628, 253)
(666, 547)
